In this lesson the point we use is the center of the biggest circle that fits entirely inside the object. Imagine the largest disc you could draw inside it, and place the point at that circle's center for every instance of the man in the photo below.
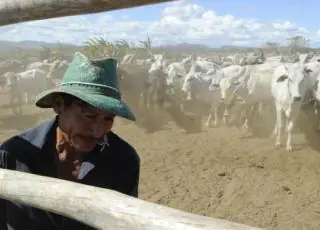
(77, 145)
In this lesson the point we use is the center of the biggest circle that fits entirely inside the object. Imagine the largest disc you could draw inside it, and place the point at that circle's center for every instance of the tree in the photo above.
(298, 43)
(272, 46)
(98, 47)
(147, 44)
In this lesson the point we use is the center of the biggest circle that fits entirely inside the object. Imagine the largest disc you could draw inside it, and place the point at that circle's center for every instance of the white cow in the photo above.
(226, 79)
(39, 65)
(28, 83)
(316, 89)
(196, 87)
(177, 70)
(254, 90)
(289, 86)
(158, 61)
(206, 66)
(189, 82)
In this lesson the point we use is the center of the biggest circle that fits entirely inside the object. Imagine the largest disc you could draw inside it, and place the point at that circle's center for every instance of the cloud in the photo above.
(180, 21)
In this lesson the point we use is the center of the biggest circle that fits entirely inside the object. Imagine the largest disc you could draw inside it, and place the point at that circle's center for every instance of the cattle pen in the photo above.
(99, 208)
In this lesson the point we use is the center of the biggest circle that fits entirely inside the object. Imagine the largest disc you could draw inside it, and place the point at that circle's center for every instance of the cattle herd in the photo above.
(254, 82)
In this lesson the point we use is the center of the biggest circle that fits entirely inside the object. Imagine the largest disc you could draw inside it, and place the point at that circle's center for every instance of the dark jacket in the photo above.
(116, 167)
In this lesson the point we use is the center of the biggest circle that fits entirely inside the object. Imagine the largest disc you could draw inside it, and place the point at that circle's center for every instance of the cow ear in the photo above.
(282, 78)
(307, 70)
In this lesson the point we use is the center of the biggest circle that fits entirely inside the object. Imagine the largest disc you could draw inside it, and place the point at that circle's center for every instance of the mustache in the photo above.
(89, 138)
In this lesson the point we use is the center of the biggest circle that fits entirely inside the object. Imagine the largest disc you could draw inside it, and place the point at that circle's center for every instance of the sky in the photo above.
(214, 23)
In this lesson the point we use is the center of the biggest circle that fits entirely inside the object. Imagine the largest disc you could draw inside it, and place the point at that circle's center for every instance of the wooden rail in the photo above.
(101, 208)
(15, 11)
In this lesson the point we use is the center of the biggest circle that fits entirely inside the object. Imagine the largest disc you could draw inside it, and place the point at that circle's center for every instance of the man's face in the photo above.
(84, 125)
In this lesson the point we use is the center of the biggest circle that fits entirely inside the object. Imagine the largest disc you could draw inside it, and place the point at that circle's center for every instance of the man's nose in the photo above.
(99, 129)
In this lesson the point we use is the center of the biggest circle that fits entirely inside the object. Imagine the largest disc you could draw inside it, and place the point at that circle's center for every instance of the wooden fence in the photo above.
(99, 208)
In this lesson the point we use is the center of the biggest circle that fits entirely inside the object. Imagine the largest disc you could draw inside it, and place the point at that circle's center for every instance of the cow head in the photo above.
(299, 82)
(214, 86)
(11, 79)
(189, 86)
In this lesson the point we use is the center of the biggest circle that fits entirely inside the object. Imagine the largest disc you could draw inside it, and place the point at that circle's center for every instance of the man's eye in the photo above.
(109, 119)
(90, 116)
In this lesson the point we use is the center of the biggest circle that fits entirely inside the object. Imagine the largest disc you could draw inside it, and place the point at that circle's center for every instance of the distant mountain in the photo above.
(234, 47)
(7, 45)
(200, 47)
(186, 47)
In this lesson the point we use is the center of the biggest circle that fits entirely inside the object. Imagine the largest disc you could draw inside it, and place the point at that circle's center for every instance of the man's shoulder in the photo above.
(34, 136)
(122, 147)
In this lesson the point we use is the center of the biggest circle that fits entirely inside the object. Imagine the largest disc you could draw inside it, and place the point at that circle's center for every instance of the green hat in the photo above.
(94, 81)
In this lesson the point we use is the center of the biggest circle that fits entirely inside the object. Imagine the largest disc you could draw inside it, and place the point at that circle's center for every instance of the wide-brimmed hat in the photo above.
(94, 81)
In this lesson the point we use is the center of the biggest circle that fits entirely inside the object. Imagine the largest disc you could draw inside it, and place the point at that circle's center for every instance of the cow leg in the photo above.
(161, 97)
(290, 122)
(147, 99)
(209, 119)
(246, 123)
(219, 111)
(226, 116)
(26, 98)
(16, 105)
(275, 130)
(182, 107)
(315, 107)
(216, 116)
(246, 116)
(260, 107)
(227, 109)
(212, 111)
(317, 115)
(250, 117)
(146, 95)
(279, 126)
(140, 101)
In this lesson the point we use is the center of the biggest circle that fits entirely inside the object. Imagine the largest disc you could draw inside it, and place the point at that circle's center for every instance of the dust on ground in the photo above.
(216, 173)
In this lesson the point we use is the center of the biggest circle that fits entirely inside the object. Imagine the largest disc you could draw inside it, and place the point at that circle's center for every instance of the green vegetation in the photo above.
(97, 47)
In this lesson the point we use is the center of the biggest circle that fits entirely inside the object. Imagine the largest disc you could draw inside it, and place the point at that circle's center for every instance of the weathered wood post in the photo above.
(15, 11)
(101, 208)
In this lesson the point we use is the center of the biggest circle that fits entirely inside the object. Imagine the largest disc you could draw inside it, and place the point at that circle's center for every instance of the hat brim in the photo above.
(105, 103)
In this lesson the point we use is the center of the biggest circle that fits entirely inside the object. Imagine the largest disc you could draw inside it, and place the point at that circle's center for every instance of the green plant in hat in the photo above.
(94, 81)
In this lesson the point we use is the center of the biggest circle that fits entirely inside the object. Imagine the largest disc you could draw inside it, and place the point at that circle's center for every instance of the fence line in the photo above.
(101, 208)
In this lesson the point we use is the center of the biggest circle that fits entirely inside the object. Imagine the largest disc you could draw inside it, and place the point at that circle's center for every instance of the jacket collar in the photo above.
(40, 135)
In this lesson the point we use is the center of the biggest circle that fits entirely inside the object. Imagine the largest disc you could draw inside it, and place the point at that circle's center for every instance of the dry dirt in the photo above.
(216, 173)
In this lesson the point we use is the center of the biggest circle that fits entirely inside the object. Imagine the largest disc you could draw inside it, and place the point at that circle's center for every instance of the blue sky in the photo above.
(300, 12)
(214, 23)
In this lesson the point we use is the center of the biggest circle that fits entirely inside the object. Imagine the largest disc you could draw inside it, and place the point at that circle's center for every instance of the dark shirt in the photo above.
(116, 167)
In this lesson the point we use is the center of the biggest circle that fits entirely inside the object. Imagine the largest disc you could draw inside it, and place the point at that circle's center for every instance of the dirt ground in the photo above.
(216, 173)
